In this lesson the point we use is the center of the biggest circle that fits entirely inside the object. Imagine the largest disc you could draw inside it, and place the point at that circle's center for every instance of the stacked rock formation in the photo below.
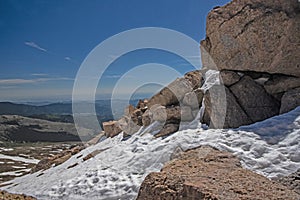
(178, 102)
(254, 45)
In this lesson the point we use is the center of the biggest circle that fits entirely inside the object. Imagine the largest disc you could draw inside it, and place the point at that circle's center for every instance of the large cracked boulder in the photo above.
(254, 35)
(255, 46)
(222, 109)
(206, 173)
(254, 100)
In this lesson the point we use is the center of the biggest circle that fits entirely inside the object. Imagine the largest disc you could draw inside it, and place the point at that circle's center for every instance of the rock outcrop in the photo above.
(178, 102)
(206, 173)
(222, 109)
(254, 45)
(255, 35)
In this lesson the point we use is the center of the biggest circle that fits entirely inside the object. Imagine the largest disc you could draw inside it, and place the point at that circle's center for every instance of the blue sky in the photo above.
(43, 43)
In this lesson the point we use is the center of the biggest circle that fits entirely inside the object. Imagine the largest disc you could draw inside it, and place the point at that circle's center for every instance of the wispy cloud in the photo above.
(54, 79)
(34, 45)
(15, 81)
(68, 58)
(27, 81)
(39, 74)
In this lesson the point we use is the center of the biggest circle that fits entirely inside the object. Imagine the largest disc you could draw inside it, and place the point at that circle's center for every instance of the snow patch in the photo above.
(270, 148)
(18, 158)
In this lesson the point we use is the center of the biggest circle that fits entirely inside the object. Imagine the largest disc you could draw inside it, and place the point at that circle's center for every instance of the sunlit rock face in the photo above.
(206, 173)
(255, 46)
(254, 35)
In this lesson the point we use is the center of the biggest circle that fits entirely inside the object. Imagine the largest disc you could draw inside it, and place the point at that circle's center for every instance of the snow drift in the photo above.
(270, 148)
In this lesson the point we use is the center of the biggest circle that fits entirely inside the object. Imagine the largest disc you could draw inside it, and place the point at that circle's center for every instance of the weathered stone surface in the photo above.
(229, 78)
(280, 84)
(195, 78)
(167, 129)
(111, 128)
(171, 94)
(290, 100)
(206, 173)
(174, 114)
(292, 181)
(128, 125)
(160, 114)
(193, 99)
(254, 35)
(254, 100)
(222, 109)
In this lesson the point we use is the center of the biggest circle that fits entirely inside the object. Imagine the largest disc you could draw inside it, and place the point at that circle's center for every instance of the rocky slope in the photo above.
(253, 46)
(206, 173)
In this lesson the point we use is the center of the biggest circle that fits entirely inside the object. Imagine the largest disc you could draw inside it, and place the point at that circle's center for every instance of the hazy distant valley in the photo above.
(54, 122)
(32, 132)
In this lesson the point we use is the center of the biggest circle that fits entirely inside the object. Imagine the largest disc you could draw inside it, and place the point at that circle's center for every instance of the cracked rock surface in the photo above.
(254, 35)
(206, 173)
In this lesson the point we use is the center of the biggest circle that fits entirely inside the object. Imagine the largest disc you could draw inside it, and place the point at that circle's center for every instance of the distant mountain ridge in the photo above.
(8, 108)
(103, 108)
